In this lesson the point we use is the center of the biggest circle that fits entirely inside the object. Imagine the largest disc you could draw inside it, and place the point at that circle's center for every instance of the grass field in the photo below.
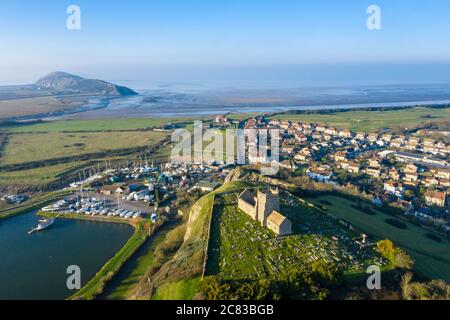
(179, 290)
(38, 105)
(241, 248)
(114, 124)
(23, 148)
(39, 176)
(372, 120)
(432, 259)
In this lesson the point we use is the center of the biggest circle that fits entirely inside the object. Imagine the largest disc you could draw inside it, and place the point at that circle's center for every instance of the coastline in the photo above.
(209, 110)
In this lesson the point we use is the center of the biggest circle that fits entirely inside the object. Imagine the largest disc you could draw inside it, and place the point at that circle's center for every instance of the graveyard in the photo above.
(241, 249)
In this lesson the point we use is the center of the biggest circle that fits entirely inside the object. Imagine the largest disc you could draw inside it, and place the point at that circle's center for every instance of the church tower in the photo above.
(267, 202)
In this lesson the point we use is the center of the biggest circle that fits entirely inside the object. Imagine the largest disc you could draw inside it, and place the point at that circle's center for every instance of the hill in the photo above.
(66, 82)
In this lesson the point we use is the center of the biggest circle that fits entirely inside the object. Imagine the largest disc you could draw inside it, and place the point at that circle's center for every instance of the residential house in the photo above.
(386, 137)
(361, 136)
(410, 177)
(372, 137)
(320, 175)
(353, 168)
(394, 174)
(442, 173)
(431, 181)
(397, 143)
(301, 138)
(374, 172)
(394, 188)
(410, 168)
(345, 133)
(436, 198)
(340, 156)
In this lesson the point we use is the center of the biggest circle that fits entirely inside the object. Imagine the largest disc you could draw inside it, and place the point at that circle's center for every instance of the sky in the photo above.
(321, 42)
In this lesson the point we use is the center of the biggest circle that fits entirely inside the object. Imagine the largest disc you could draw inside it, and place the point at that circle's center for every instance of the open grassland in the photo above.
(36, 106)
(368, 121)
(180, 290)
(114, 124)
(41, 176)
(23, 148)
(432, 259)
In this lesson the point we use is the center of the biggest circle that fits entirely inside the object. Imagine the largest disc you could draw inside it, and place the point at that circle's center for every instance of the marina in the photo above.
(34, 266)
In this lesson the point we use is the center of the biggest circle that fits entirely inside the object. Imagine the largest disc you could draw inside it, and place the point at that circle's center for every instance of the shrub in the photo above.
(397, 224)
(433, 237)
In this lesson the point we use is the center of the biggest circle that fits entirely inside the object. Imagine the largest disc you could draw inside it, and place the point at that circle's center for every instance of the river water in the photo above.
(34, 266)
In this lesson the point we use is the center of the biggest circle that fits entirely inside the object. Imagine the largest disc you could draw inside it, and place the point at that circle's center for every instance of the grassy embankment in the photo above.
(178, 278)
(121, 287)
(368, 121)
(432, 259)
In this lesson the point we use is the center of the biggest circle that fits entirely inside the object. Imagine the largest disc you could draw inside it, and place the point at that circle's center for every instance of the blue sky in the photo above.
(182, 40)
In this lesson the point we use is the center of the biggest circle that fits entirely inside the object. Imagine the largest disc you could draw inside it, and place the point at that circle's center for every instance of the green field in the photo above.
(368, 121)
(432, 259)
(39, 176)
(23, 148)
(180, 290)
(114, 124)
(241, 249)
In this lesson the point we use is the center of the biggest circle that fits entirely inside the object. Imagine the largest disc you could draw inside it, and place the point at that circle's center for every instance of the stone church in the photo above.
(265, 208)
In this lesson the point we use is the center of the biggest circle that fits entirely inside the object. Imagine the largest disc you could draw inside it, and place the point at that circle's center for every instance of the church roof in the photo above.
(276, 218)
(248, 197)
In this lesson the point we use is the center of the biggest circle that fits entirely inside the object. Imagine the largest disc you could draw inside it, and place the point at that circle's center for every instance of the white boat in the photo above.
(43, 224)
(129, 214)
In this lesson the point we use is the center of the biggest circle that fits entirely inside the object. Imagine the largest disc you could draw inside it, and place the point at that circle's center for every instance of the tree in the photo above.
(405, 285)
(403, 260)
(214, 288)
(326, 274)
(396, 256)
(433, 290)
(409, 194)
(386, 249)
